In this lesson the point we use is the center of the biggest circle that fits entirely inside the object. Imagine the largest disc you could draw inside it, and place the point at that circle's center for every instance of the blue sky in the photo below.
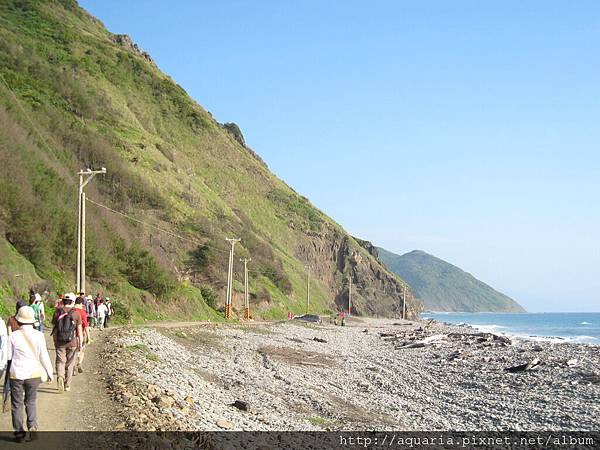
(466, 129)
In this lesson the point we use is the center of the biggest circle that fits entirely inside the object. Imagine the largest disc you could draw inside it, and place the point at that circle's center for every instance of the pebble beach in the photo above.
(372, 374)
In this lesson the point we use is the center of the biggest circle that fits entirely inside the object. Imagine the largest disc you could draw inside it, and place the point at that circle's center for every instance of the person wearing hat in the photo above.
(30, 365)
(12, 324)
(66, 319)
(38, 307)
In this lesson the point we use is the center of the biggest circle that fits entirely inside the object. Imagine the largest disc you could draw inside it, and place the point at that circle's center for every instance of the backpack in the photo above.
(65, 327)
(36, 311)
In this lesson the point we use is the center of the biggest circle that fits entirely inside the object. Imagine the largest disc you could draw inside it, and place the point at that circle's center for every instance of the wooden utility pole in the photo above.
(404, 301)
(85, 176)
(228, 302)
(246, 296)
(350, 295)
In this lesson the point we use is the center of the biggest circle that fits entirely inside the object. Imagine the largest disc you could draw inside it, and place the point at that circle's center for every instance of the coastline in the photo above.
(374, 374)
(554, 327)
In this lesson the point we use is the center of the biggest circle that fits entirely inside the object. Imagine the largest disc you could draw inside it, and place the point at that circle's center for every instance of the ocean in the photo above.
(555, 327)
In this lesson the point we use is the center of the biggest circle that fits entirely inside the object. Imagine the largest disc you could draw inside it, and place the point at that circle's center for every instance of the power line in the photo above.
(162, 230)
(194, 241)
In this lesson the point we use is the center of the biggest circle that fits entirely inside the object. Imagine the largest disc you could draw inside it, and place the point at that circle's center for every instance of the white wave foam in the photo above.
(559, 339)
(502, 330)
(489, 328)
(585, 323)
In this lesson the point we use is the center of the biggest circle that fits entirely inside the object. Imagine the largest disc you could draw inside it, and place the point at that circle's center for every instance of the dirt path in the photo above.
(87, 406)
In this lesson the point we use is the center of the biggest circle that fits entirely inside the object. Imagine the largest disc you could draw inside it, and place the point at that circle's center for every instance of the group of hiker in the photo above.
(24, 355)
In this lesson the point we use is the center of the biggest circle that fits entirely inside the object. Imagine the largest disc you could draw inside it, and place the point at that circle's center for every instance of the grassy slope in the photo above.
(444, 287)
(84, 100)
(17, 274)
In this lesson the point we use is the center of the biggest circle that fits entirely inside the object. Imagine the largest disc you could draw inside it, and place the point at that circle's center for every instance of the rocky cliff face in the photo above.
(337, 258)
(125, 41)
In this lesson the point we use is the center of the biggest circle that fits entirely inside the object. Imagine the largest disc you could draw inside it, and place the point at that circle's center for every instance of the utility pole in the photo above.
(404, 301)
(350, 295)
(307, 289)
(232, 241)
(85, 176)
(246, 298)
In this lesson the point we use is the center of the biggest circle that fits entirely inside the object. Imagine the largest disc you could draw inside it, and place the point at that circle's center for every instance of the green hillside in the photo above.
(73, 96)
(444, 287)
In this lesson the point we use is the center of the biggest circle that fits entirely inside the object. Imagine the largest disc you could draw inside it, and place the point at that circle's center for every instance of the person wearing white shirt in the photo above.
(3, 347)
(102, 312)
(30, 363)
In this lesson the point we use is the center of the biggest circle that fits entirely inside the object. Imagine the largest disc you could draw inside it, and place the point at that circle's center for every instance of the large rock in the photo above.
(125, 41)
(164, 401)
(225, 424)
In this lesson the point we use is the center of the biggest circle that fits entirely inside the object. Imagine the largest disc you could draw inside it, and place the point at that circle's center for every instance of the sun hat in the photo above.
(89, 297)
(38, 297)
(26, 315)
(70, 297)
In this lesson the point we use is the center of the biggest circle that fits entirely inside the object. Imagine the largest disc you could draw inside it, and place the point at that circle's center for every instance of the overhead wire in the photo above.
(162, 230)
(204, 244)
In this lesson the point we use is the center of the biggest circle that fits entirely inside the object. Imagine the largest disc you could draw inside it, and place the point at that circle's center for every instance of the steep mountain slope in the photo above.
(72, 96)
(444, 287)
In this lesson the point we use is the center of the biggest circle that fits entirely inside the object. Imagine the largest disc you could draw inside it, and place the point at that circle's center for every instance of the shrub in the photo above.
(296, 207)
(142, 270)
(200, 258)
(122, 313)
(278, 277)
(209, 296)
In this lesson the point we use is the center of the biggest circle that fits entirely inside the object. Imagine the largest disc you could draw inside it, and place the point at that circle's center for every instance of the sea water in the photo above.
(555, 327)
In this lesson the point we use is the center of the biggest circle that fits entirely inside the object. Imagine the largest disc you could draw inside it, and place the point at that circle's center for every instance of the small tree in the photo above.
(209, 296)
(200, 259)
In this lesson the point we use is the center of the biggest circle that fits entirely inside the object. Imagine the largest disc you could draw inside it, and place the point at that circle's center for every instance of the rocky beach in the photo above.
(372, 374)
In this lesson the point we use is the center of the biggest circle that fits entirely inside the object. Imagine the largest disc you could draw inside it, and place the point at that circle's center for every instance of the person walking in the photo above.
(79, 305)
(41, 312)
(12, 325)
(96, 304)
(102, 312)
(91, 311)
(3, 347)
(109, 312)
(67, 333)
(38, 308)
(30, 366)
(4, 361)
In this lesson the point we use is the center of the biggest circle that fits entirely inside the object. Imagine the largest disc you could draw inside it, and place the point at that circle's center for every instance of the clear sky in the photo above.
(467, 129)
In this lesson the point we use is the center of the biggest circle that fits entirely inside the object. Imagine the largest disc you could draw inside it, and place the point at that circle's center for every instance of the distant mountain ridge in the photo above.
(445, 287)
